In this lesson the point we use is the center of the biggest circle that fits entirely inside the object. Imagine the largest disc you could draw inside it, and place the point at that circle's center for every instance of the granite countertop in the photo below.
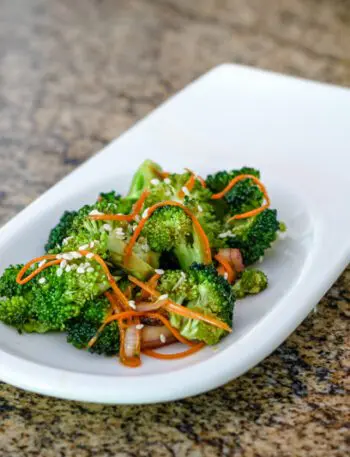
(73, 76)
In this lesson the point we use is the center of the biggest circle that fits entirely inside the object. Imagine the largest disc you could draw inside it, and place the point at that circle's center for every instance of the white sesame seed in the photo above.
(80, 270)
(200, 209)
(162, 338)
(42, 281)
(92, 244)
(145, 214)
(74, 255)
(95, 212)
(132, 304)
(83, 247)
(139, 326)
(225, 275)
(137, 218)
(63, 264)
(155, 181)
(134, 227)
(167, 181)
(107, 227)
(90, 270)
(163, 297)
(159, 271)
(90, 255)
(59, 256)
(67, 256)
(68, 268)
(227, 234)
(40, 264)
(185, 190)
(59, 272)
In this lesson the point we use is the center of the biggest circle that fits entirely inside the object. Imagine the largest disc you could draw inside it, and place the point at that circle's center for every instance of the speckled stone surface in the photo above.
(74, 75)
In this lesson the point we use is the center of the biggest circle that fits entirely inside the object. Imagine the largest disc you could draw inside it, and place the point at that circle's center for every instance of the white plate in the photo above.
(298, 133)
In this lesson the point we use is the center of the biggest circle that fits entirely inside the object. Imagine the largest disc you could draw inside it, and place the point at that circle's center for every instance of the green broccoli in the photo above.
(61, 230)
(54, 296)
(252, 236)
(251, 282)
(170, 229)
(203, 290)
(145, 174)
(81, 329)
(244, 196)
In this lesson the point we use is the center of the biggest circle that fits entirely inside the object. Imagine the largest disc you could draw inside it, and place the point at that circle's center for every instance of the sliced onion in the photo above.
(150, 336)
(150, 306)
(234, 256)
(132, 341)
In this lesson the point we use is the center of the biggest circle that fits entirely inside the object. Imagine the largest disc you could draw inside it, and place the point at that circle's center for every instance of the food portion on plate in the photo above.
(130, 274)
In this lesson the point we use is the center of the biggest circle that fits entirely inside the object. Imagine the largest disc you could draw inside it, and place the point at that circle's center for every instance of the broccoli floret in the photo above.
(200, 289)
(61, 230)
(252, 236)
(141, 180)
(170, 229)
(52, 297)
(250, 283)
(85, 326)
(244, 196)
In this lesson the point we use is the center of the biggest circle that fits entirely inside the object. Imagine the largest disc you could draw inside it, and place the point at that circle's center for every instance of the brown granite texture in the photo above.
(74, 75)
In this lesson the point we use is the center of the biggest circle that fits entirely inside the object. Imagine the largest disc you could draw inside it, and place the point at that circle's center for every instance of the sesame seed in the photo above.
(90, 270)
(134, 227)
(185, 190)
(68, 256)
(63, 264)
(163, 297)
(159, 271)
(90, 255)
(59, 256)
(68, 268)
(95, 212)
(80, 270)
(40, 264)
(227, 234)
(139, 326)
(132, 304)
(92, 244)
(83, 247)
(145, 214)
(59, 272)
(42, 281)
(155, 181)
(225, 275)
(137, 218)
(74, 255)
(107, 227)
(167, 181)
(200, 209)
(162, 338)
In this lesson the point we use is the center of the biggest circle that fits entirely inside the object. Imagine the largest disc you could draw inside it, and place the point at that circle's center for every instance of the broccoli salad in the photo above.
(163, 264)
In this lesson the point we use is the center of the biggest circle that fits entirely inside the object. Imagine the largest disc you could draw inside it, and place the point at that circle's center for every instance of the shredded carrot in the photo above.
(178, 355)
(173, 307)
(188, 185)
(152, 282)
(123, 217)
(113, 301)
(158, 316)
(150, 211)
(232, 183)
(25, 268)
(200, 179)
(160, 174)
(227, 267)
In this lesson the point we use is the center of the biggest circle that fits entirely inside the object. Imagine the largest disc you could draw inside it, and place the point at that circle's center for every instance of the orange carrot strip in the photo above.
(178, 355)
(25, 268)
(158, 316)
(150, 211)
(152, 282)
(113, 301)
(189, 185)
(232, 183)
(121, 297)
(171, 306)
(160, 174)
(123, 217)
(225, 263)
(200, 179)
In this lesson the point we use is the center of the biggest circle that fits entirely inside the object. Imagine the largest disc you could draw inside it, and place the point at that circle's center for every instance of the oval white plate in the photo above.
(230, 117)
